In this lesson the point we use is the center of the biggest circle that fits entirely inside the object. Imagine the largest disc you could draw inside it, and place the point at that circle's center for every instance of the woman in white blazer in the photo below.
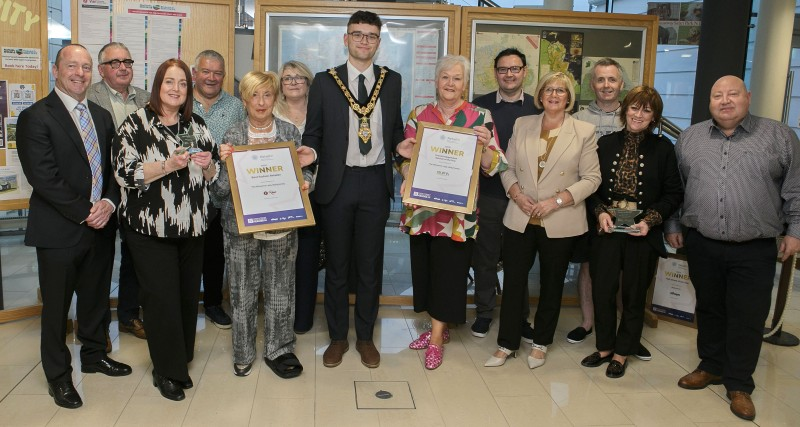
(552, 168)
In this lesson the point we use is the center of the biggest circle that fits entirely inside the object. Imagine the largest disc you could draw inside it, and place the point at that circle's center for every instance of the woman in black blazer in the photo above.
(639, 173)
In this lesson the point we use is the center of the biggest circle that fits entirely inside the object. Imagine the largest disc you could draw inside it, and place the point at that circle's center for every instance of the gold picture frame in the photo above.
(451, 159)
(267, 184)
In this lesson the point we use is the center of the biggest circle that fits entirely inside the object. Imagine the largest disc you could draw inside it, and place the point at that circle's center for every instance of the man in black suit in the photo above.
(354, 125)
(64, 144)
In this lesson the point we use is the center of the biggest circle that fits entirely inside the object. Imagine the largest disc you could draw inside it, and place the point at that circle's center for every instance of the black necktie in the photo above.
(362, 90)
(363, 146)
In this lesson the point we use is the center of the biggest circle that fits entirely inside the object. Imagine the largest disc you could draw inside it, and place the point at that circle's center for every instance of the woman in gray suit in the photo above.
(552, 168)
(262, 261)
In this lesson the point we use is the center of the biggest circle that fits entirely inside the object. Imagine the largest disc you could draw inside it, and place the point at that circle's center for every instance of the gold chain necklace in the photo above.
(363, 111)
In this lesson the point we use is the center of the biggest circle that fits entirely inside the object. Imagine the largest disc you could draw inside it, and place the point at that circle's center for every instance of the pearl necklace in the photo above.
(261, 128)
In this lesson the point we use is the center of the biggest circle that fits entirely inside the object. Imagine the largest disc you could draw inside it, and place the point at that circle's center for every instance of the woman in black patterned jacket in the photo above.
(164, 212)
(640, 177)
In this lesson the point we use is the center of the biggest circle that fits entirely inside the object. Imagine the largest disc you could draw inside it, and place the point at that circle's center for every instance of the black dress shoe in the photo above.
(186, 385)
(595, 359)
(107, 366)
(616, 369)
(64, 394)
(170, 389)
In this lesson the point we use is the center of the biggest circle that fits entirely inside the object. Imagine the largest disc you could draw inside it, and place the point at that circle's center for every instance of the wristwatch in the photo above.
(559, 201)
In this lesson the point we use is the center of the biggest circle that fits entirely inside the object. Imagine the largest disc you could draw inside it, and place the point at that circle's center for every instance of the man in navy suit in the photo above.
(355, 127)
(64, 144)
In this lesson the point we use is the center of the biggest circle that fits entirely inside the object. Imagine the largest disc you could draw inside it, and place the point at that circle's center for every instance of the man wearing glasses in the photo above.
(507, 104)
(117, 96)
(219, 110)
(354, 126)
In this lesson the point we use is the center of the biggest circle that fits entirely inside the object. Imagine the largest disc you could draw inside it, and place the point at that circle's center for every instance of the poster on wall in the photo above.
(678, 22)
(13, 184)
(20, 97)
(562, 51)
(151, 31)
(20, 58)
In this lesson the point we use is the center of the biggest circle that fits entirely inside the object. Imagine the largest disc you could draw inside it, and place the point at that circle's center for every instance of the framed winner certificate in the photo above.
(444, 168)
(266, 181)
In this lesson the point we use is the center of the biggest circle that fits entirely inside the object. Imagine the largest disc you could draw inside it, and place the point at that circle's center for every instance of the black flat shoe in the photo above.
(595, 359)
(170, 389)
(616, 369)
(64, 394)
(107, 366)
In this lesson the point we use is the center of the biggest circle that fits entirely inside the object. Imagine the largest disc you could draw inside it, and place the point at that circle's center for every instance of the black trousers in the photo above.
(487, 252)
(354, 223)
(85, 270)
(612, 254)
(128, 292)
(306, 271)
(439, 269)
(169, 274)
(733, 283)
(519, 254)
(213, 262)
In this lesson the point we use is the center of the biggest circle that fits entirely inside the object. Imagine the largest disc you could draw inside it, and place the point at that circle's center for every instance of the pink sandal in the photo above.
(434, 356)
(422, 342)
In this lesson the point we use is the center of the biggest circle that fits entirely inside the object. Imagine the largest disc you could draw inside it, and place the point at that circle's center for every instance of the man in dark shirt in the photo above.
(742, 178)
(507, 104)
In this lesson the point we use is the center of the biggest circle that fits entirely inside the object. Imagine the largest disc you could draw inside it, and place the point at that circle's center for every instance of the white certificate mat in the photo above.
(266, 188)
(444, 168)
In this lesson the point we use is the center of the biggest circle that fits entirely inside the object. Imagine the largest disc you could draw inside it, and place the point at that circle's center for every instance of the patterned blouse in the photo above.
(625, 185)
(441, 223)
(175, 205)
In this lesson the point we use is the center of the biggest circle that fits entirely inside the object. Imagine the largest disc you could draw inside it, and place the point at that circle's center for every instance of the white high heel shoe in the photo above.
(495, 361)
(533, 362)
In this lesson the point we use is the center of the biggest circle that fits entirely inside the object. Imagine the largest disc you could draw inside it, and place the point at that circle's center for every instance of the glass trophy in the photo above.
(625, 218)
(189, 142)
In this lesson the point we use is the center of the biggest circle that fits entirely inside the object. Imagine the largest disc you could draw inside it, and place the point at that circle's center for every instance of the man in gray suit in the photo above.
(117, 96)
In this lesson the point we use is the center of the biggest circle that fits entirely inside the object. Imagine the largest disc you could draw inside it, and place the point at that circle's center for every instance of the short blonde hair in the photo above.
(256, 79)
(554, 76)
(447, 62)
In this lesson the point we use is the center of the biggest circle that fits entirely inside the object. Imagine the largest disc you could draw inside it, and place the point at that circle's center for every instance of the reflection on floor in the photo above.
(460, 393)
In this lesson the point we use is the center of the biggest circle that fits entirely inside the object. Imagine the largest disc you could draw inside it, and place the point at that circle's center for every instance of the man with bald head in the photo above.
(742, 178)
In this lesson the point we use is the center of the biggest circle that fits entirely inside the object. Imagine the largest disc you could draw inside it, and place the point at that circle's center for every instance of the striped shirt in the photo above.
(742, 187)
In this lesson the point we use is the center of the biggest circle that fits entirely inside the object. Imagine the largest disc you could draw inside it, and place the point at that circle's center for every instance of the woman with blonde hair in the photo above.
(263, 261)
(552, 169)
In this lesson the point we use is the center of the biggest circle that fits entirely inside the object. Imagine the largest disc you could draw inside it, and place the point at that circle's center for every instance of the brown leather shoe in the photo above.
(135, 327)
(699, 379)
(369, 354)
(742, 405)
(333, 354)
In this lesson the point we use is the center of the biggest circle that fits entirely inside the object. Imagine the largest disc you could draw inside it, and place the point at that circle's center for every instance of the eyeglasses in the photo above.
(358, 36)
(287, 80)
(504, 70)
(560, 91)
(115, 63)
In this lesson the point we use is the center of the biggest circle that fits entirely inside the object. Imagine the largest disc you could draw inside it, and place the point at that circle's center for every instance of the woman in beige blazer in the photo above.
(552, 168)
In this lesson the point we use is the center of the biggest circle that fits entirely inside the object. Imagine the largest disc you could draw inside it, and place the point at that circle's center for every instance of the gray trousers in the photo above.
(266, 266)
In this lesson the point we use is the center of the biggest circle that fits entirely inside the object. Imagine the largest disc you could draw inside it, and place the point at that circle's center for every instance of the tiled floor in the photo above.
(460, 393)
